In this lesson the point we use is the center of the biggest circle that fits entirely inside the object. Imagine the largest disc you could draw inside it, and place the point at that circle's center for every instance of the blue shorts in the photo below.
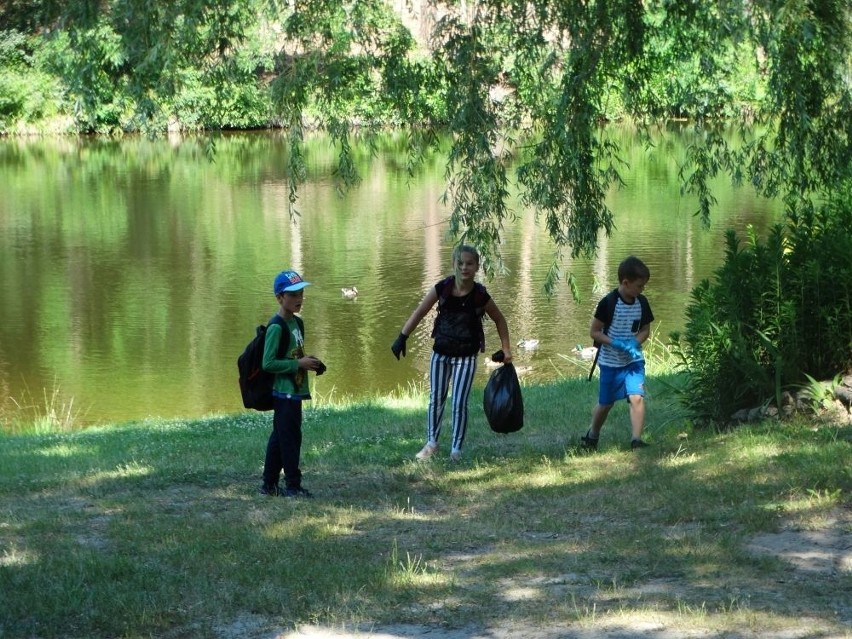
(621, 382)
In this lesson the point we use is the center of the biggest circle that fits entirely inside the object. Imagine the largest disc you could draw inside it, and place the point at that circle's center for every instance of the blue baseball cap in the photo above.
(288, 282)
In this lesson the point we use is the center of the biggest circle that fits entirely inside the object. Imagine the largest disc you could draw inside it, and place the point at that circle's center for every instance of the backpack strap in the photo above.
(284, 344)
(646, 311)
(611, 301)
(479, 298)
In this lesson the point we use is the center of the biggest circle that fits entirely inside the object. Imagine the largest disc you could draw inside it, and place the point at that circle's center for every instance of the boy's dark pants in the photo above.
(285, 444)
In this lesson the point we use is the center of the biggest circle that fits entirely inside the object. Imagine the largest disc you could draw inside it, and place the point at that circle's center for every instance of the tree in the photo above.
(534, 80)
(531, 81)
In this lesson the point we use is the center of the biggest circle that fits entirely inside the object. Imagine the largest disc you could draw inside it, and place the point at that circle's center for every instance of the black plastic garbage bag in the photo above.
(502, 400)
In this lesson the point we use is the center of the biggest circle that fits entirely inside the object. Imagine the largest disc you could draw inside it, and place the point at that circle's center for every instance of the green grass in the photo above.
(155, 528)
(51, 412)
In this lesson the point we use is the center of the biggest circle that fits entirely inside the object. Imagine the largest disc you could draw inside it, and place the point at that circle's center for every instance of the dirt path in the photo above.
(822, 551)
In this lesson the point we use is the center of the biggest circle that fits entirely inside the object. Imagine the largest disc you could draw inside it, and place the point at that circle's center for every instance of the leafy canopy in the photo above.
(523, 88)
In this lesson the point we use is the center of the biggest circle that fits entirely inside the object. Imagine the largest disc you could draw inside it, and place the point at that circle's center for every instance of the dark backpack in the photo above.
(611, 302)
(459, 333)
(256, 383)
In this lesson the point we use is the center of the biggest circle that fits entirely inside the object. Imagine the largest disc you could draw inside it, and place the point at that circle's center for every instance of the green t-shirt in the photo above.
(290, 381)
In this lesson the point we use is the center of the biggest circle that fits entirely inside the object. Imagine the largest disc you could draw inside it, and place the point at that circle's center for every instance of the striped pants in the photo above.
(442, 369)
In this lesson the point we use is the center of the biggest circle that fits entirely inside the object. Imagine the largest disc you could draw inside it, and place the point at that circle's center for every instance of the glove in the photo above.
(398, 346)
(321, 368)
(620, 344)
(629, 345)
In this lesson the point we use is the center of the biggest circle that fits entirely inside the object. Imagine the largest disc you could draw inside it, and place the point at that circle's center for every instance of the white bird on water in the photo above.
(586, 353)
(349, 292)
(529, 344)
(520, 370)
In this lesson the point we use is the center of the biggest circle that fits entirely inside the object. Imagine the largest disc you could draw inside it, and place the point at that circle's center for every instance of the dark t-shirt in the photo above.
(458, 328)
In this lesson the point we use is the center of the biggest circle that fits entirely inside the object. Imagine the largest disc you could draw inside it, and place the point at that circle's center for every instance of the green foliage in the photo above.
(29, 16)
(699, 64)
(807, 47)
(348, 68)
(777, 313)
(819, 395)
(131, 65)
(476, 172)
(26, 91)
(91, 63)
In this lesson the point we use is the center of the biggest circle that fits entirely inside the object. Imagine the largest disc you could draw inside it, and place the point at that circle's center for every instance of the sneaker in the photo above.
(589, 443)
(455, 456)
(297, 491)
(638, 443)
(427, 451)
(270, 491)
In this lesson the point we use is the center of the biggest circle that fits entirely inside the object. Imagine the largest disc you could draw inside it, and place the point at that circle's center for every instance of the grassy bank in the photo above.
(156, 528)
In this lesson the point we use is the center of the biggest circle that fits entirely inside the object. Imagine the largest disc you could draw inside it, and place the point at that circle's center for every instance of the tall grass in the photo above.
(51, 412)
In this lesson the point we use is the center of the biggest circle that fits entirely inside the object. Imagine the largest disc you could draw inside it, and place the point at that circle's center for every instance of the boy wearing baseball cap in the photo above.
(289, 389)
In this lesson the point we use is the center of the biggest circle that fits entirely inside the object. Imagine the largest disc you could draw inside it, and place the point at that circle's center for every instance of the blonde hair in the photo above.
(462, 248)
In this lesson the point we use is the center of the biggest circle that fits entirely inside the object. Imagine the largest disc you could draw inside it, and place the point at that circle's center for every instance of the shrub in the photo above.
(775, 313)
(28, 93)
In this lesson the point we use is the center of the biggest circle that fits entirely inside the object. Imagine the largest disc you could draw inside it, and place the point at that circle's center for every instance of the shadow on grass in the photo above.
(157, 528)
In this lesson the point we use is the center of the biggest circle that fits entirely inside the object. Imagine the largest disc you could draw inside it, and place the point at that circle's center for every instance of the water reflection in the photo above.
(133, 272)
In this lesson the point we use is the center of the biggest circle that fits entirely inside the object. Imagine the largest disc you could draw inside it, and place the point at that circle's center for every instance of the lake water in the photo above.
(133, 272)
